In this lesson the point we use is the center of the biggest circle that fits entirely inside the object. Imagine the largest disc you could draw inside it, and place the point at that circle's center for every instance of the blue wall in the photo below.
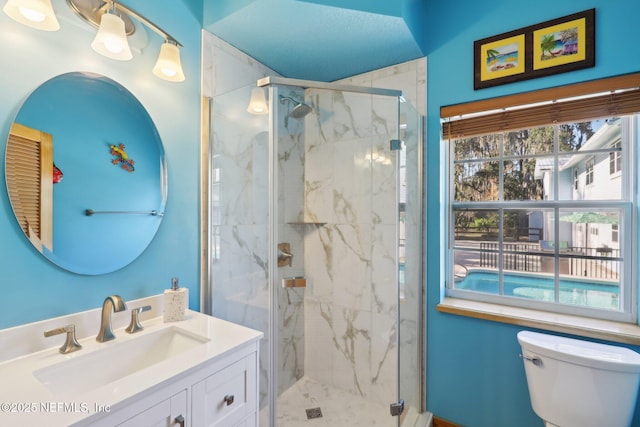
(475, 377)
(32, 287)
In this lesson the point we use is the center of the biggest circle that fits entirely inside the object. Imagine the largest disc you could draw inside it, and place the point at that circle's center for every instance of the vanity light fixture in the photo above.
(168, 66)
(258, 102)
(36, 14)
(113, 20)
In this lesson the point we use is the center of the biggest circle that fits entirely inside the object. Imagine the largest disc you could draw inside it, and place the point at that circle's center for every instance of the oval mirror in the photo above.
(86, 173)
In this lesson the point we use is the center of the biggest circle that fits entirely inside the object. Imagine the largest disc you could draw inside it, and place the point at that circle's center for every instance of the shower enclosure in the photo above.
(315, 238)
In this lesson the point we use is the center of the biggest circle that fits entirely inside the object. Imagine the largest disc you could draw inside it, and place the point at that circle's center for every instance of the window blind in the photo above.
(579, 102)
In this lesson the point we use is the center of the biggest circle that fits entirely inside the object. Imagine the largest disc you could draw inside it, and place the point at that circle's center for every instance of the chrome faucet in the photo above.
(115, 303)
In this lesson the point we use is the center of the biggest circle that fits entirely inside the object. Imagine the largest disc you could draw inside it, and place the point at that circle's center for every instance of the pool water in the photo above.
(575, 292)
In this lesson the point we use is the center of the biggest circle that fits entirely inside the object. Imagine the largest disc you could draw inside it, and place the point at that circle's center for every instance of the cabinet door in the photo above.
(167, 413)
(227, 397)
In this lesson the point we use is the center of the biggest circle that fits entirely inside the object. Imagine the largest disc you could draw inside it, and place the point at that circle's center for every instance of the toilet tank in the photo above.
(575, 383)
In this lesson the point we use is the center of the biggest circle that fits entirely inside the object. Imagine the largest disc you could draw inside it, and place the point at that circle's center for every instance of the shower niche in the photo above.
(325, 177)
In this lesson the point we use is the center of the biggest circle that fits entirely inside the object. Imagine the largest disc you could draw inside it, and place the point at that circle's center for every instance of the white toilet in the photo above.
(575, 383)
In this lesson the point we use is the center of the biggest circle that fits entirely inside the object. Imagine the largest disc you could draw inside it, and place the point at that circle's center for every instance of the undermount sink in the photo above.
(103, 366)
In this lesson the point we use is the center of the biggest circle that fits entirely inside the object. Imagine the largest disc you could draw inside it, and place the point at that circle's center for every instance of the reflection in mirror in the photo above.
(83, 143)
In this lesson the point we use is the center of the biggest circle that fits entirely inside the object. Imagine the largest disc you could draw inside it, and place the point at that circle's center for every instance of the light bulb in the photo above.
(169, 72)
(32, 15)
(168, 65)
(36, 14)
(113, 44)
(111, 39)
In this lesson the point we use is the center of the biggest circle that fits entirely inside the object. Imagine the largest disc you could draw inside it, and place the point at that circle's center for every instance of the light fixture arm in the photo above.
(145, 21)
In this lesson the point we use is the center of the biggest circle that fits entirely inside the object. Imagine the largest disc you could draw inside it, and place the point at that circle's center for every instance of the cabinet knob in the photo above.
(179, 420)
(228, 399)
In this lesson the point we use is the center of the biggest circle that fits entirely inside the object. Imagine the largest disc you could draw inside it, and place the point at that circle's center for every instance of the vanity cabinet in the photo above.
(223, 393)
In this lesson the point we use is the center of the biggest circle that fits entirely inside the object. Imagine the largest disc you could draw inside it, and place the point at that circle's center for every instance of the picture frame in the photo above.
(564, 44)
(551, 47)
(499, 59)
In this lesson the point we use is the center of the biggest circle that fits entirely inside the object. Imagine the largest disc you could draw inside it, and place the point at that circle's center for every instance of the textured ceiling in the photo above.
(315, 39)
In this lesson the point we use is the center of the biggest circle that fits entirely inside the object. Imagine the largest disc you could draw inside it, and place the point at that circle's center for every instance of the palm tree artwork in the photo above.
(492, 58)
(547, 44)
(568, 39)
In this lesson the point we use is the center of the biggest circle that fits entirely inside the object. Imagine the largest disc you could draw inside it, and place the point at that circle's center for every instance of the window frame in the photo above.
(625, 205)
(629, 208)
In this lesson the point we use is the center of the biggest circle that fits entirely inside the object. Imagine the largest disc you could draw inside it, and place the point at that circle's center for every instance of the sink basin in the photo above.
(116, 361)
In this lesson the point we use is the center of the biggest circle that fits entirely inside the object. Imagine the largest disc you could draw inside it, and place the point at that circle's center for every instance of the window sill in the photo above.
(607, 330)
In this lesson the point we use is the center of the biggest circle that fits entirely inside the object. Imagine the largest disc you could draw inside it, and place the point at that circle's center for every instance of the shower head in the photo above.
(299, 110)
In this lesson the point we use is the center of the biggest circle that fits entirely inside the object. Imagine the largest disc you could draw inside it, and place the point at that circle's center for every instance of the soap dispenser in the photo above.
(175, 302)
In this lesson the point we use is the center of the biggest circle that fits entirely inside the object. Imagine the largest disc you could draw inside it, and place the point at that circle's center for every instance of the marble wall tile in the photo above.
(351, 180)
(241, 162)
(290, 337)
(319, 340)
(384, 357)
(234, 172)
(384, 270)
(318, 263)
(318, 180)
(351, 269)
(384, 111)
(352, 350)
(341, 115)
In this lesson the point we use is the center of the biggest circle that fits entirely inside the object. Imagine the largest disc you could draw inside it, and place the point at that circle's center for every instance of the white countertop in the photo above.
(25, 401)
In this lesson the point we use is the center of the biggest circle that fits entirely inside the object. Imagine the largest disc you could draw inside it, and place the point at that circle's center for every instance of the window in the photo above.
(615, 159)
(522, 231)
(589, 171)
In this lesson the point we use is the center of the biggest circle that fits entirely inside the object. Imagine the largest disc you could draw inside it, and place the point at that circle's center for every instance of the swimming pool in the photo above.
(597, 294)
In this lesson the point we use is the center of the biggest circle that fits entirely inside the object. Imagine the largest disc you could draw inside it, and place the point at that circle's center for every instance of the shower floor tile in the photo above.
(339, 408)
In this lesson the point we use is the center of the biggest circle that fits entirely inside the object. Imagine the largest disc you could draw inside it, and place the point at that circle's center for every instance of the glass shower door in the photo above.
(337, 222)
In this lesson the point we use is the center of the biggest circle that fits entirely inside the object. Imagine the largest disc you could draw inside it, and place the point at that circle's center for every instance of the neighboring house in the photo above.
(587, 175)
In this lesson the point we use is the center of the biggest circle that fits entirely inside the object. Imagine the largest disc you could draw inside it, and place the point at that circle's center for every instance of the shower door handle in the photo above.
(397, 408)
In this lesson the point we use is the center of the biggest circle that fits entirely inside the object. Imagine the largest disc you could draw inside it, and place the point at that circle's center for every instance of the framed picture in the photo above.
(499, 59)
(564, 44)
(551, 47)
